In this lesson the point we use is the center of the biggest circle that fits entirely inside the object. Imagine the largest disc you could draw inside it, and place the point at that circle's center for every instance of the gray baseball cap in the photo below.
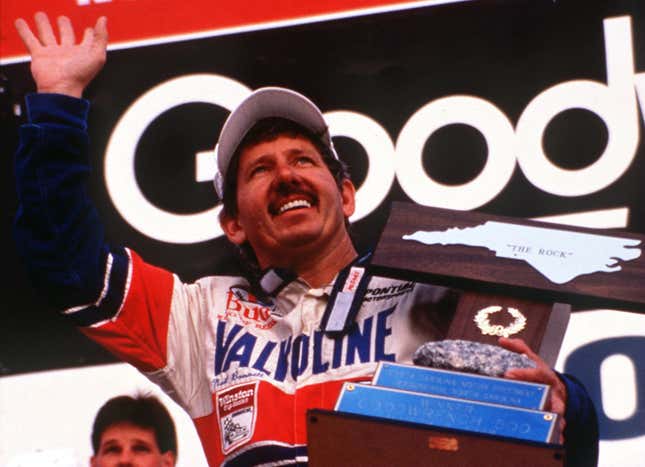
(264, 103)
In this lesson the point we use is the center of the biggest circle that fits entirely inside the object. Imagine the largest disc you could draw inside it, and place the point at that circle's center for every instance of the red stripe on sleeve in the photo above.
(138, 335)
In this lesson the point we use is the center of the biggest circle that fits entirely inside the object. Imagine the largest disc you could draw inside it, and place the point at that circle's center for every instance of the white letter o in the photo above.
(481, 115)
(120, 153)
(380, 153)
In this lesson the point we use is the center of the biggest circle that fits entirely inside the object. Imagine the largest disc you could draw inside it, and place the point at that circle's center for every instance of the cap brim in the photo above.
(264, 103)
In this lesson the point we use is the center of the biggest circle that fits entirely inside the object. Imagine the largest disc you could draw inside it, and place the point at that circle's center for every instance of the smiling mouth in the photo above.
(295, 204)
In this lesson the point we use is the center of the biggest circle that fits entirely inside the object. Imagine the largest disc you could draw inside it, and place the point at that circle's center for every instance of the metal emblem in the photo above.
(488, 329)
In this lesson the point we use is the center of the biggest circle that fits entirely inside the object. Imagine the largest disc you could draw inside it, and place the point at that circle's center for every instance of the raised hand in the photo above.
(541, 374)
(63, 66)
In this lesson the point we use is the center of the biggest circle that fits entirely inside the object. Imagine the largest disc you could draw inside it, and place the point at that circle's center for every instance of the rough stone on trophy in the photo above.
(470, 357)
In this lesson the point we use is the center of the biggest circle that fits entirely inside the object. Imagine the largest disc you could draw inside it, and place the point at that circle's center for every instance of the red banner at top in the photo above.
(140, 20)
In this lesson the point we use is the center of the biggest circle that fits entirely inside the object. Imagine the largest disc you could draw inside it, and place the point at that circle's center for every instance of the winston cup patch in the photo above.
(236, 412)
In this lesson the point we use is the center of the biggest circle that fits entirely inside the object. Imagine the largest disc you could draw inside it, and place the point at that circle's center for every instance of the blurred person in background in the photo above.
(133, 432)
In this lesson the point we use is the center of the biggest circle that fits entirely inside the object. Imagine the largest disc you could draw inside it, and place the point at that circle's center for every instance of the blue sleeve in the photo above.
(57, 229)
(581, 430)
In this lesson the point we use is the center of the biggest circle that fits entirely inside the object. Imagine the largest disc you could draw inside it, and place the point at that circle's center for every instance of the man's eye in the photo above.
(304, 160)
(111, 449)
(141, 448)
(258, 169)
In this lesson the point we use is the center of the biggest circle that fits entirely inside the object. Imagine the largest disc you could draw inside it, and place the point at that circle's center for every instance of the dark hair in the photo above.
(268, 129)
(142, 411)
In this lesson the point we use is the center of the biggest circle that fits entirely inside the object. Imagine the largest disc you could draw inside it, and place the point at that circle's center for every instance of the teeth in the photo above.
(298, 203)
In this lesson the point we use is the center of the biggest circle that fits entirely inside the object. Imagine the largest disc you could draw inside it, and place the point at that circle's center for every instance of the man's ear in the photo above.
(93, 461)
(348, 197)
(232, 228)
(168, 459)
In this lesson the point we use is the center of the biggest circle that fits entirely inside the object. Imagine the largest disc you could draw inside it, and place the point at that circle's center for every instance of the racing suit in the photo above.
(245, 369)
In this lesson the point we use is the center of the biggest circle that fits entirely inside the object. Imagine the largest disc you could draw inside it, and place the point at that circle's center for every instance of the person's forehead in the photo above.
(127, 430)
(282, 143)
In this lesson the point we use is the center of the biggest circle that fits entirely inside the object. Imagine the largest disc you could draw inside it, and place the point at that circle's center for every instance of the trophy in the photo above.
(515, 278)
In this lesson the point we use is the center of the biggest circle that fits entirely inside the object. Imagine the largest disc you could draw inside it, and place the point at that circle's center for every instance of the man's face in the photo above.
(288, 201)
(124, 444)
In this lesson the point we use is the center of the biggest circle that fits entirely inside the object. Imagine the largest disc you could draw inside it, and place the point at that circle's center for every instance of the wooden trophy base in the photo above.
(340, 439)
(485, 318)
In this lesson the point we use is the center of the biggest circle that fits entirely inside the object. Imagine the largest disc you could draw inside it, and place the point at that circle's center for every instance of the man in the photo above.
(245, 356)
(133, 431)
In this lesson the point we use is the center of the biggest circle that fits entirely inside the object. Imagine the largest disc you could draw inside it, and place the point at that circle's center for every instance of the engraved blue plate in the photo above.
(447, 412)
(462, 385)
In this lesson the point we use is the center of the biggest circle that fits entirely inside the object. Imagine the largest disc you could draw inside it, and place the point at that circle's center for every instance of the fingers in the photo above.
(558, 405)
(66, 31)
(542, 374)
(101, 32)
(47, 37)
(44, 27)
(88, 37)
(557, 400)
(533, 375)
(28, 38)
(562, 426)
(517, 345)
(96, 36)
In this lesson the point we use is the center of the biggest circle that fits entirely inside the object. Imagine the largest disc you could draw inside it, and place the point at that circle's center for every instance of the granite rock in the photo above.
(470, 357)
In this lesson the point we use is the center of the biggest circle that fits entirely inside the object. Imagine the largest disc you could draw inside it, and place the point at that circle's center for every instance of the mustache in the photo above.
(285, 195)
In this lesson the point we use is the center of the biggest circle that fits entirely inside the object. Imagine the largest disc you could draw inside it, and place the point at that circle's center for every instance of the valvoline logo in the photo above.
(247, 309)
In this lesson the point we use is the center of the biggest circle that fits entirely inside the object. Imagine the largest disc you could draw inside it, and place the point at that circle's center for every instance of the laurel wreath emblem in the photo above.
(483, 323)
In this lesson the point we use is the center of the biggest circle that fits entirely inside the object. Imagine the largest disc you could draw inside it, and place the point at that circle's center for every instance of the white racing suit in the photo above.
(246, 371)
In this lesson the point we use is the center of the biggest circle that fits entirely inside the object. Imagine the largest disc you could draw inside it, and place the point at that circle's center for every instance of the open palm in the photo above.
(62, 65)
